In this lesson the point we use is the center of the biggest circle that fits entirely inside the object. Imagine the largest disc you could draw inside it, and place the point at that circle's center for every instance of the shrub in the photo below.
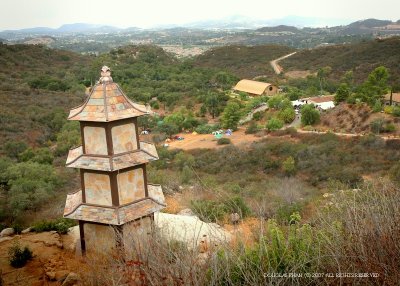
(396, 111)
(388, 109)
(377, 125)
(224, 141)
(60, 225)
(209, 211)
(257, 116)
(289, 166)
(274, 124)
(287, 115)
(186, 174)
(17, 256)
(236, 204)
(205, 129)
(252, 128)
(377, 106)
(17, 228)
(309, 115)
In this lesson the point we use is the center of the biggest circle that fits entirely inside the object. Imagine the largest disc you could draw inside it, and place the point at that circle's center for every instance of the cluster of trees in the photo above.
(371, 91)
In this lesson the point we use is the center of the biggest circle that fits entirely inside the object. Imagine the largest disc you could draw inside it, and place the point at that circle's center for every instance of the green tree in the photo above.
(287, 115)
(348, 79)
(309, 115)
(231, 116)
(274, 124)
(375, 86)
(14, 148)
(68, 137)
(213, 104)
(342, 93)
(322, 74)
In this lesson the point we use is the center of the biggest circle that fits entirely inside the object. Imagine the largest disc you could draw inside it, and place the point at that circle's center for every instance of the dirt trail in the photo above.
(277, 68)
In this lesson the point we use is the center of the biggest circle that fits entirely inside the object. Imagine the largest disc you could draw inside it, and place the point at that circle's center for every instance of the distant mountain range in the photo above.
(290, 23)
(71, 28)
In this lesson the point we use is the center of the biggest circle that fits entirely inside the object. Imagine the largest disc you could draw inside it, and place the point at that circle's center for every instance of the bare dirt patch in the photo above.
(208, 141)
(297, 74)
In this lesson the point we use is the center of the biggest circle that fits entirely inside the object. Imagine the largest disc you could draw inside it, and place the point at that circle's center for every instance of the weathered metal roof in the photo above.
(146, 153)
(76, 209)
(395, 97)
(107, 102)
(251, 86)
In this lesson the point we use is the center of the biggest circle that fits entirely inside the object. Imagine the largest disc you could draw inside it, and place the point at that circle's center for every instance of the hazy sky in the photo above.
(16, 14)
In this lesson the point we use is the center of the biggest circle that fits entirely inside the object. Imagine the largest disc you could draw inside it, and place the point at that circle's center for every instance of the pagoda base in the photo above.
(128, 240)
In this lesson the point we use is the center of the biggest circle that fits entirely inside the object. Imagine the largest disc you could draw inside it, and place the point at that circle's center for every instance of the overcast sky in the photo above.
(16, 14)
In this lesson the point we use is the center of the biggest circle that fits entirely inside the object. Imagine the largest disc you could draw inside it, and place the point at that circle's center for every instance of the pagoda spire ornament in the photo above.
(116, 204)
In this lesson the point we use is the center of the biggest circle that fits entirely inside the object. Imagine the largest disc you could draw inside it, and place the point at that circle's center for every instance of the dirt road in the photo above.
(208, 141)
(277, 68)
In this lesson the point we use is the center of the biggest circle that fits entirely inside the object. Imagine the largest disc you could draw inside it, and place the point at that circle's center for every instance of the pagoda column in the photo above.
(115, 204)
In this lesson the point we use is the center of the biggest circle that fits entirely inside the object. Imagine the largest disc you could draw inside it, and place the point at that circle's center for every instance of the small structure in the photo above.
(256, 88)
(321, 102)
(116, 204)
(392, 99)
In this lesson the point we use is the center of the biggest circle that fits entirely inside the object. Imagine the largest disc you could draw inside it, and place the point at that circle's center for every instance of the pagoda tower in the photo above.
(115, 204)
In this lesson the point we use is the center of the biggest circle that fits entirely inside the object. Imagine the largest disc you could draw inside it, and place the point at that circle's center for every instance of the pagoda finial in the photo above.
(105, 75)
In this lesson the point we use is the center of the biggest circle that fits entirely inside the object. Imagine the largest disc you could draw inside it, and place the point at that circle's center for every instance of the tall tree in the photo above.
(231, 116)
(322, 74)
(375, 86)
(342, 93)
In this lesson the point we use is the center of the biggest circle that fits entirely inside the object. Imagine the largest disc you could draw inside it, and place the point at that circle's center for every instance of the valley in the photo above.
(253, 165)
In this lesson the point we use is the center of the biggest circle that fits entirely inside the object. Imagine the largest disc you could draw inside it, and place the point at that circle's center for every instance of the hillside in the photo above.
(362, 58)
(243, 61)
(36, 83)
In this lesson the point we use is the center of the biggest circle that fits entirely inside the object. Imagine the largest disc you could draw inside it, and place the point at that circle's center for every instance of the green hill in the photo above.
(243, 61)
(362, 58)
(36, 83)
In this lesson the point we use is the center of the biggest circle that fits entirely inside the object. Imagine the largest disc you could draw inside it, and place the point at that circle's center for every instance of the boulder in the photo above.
(7, 232)
(61, 275)
(71, 279)
(5, 239)
(27, 230)
(187, 212)
(235, 218)
(51, 275)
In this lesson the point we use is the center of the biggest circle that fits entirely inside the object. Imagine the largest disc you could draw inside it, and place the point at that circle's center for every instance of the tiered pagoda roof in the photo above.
(106, 102)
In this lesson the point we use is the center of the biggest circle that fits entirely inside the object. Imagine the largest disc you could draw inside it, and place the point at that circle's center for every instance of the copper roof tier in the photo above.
(146, 153)
(107, 102)
(76, 209)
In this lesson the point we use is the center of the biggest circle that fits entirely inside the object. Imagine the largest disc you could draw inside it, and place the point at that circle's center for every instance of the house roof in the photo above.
(395, 97)
(251, 86)
(106, 102)
(321, 99)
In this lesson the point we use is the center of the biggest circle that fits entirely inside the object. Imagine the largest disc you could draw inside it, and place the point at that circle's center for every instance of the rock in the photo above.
(51, 275)
(26, 230)
(71, 279)
(235, 218)
(187, 212)
(59, 245)
(5, 239)
(61, 275)
(7, 232)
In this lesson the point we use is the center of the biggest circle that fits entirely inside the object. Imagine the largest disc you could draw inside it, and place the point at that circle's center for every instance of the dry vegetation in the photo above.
(359, 57)
(243, 61)
(356, 119)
